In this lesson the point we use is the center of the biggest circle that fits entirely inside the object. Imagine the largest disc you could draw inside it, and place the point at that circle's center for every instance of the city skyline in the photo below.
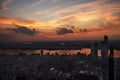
(53, 20)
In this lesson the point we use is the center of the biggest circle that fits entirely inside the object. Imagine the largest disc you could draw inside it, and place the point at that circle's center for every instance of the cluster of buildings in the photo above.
(106, 59)
(34, 67)
(62, 67)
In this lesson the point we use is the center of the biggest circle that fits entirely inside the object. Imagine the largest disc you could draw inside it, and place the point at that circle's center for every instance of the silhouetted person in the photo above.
(111, 64)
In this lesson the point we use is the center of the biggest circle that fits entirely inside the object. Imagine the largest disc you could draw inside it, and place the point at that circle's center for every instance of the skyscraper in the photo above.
(105, 38)
(111, 64)
(104, 57)
(41, 53)
(94, 51)
(104, 49)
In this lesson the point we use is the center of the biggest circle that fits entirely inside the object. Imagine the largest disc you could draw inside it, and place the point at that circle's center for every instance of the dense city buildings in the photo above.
(55, 66)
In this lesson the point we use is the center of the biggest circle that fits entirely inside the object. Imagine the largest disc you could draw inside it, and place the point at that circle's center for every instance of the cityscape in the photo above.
(64, 66)
(59, 39)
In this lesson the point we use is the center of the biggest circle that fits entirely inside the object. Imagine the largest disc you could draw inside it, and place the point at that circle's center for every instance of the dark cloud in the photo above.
(23, 30)
(106, 26)
(62, 31)
(83, 30)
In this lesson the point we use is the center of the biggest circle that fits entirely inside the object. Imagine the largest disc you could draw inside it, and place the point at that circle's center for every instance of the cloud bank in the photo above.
(23, 30)
(62, 31)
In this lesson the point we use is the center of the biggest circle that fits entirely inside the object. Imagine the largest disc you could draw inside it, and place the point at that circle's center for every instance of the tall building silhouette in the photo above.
(42, 53)
(111, 64)
(94, 51)
(104, 57)
(105, 38)
(104, 49)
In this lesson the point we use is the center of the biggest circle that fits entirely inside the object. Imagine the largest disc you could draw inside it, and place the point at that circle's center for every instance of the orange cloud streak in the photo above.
(9, 20)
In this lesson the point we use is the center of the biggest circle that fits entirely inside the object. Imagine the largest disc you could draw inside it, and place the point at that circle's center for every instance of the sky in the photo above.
(56, 20)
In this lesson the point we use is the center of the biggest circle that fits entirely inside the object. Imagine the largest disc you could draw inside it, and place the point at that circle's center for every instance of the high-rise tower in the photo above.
(94, 51)
(104, 49)
(111, 64)
(104, 57)
(41, 53)
(105, 38)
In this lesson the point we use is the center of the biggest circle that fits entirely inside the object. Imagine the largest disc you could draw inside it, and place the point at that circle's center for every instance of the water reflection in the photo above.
(29, 52)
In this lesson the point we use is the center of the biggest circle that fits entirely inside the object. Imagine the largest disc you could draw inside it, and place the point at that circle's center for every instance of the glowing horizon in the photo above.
(44, 20)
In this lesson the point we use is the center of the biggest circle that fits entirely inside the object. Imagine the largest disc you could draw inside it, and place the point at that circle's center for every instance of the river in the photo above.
(28, 52)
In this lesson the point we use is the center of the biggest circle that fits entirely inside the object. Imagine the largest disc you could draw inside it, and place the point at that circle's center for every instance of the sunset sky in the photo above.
(51, 20)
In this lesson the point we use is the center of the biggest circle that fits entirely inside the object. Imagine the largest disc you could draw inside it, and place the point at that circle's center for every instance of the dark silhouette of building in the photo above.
(94, 51)
(111, 64)
(41, 53)
(104, 49)
(106, 39)
(104, 57)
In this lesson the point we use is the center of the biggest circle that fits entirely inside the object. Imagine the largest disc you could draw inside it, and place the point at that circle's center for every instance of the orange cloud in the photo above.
(9, 20)
(28, 22)
(83, 14)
